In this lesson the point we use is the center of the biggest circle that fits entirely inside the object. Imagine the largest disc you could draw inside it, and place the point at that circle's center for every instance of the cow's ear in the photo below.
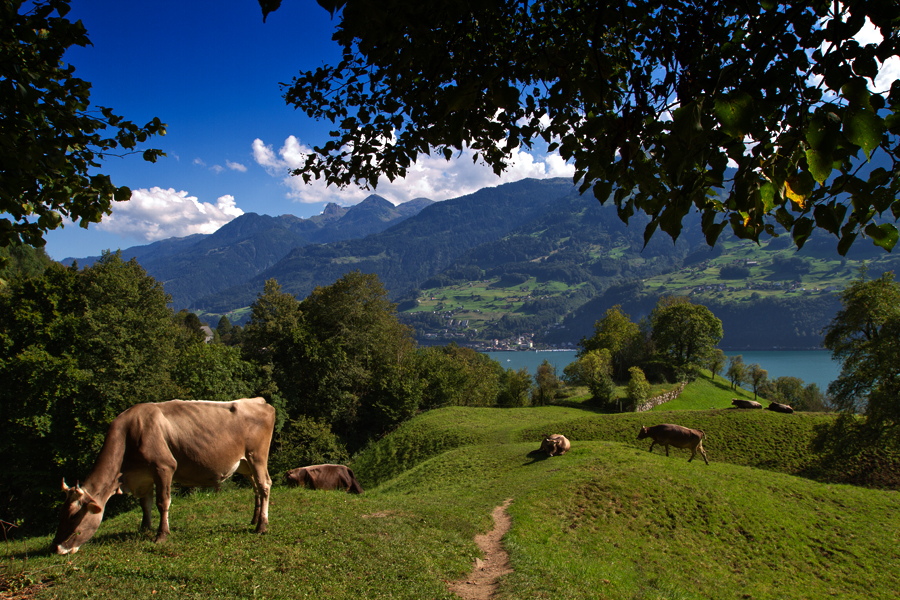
(94, 508)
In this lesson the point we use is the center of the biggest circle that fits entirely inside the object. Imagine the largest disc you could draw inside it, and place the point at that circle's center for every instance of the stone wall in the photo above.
(657, 400)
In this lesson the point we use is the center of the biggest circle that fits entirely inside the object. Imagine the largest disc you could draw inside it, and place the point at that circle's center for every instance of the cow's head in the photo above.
(79, 517)
(644, 432)
(296, 477)
(550, 445)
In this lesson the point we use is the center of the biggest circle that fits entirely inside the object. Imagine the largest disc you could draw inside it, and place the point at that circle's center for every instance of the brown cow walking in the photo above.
(324, 477)
(677, 436)
(194, 443)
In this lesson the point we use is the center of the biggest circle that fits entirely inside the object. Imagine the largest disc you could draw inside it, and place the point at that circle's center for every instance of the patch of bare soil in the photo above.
(481, 583)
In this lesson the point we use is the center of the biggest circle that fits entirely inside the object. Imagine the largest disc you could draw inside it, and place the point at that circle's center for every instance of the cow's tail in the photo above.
(702, 434)
(355, 488)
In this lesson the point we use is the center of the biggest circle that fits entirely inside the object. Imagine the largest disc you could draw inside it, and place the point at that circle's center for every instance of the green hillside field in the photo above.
(485, 309)
(607, 520)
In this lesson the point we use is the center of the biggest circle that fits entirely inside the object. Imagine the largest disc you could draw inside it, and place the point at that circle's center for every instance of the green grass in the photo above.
(482, 302)
(706, 393)
(606, 520)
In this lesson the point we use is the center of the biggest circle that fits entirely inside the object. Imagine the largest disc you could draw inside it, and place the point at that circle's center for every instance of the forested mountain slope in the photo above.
(199, 265)
(548, 281)
(406, 254)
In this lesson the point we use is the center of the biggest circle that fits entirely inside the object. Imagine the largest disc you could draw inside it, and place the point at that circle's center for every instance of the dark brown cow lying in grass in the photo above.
(324, 477)
(782, 408)
(677, 436)
(194, 443)
(745, 403)
(555, 445)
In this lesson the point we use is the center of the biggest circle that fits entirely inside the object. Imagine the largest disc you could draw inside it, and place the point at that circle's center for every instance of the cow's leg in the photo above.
(262, 484)
(147, 509)
(245, 469)
(667, 449)
(652, 443)
(693, 453)
(162, 478)
(703, 452)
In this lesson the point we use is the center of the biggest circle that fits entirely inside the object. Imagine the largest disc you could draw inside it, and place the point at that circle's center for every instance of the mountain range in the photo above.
(533, 255)
(199, 265)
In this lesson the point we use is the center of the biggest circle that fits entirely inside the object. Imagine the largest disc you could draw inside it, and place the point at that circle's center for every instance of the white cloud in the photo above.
(235, 166)
(429, 177)
(888, 71)
(199, 161)
(217, 169)
(157, 214)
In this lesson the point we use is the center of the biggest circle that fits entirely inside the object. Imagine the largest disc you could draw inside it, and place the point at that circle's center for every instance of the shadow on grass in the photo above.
(722, 384)
(537, 456)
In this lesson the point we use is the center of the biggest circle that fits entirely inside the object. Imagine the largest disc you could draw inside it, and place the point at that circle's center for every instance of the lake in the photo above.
(812, 366)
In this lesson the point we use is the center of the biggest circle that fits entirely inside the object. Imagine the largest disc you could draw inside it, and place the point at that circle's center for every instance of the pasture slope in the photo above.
(607, 520)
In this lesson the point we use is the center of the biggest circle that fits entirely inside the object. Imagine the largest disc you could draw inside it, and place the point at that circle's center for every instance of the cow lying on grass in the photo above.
(555, 445)
(194, 443)
(324, 477)
(782, 408)
(677, 436)
(745, 403)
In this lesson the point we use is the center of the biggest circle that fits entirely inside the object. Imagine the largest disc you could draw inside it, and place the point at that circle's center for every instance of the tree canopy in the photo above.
(684, 333)
(763, 117)
(51, 139)
(77, 347)
(865, 336)
(619, 335)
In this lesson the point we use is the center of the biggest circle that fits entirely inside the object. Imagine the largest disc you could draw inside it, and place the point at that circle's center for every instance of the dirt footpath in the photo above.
(481, 583)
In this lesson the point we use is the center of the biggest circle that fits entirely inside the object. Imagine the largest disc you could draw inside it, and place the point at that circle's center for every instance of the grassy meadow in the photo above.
(606, 520)
(484, 301)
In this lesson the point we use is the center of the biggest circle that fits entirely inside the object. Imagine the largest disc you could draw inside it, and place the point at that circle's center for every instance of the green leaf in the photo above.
(268, 6)
(864, 128)
(735, 113)
(686, 121)
(830, 217)
(820, 164)
(122, 194)
(802, 229)
(856, 91)
(602, 191)
(823, 133)
(884, 235)
(845, 243)
(767, 195)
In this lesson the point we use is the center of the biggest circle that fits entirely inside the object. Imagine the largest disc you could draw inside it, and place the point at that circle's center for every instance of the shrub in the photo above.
(638, 387)
(305, 442)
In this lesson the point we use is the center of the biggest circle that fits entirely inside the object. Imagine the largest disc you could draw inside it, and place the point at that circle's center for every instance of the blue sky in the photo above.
(210, 71)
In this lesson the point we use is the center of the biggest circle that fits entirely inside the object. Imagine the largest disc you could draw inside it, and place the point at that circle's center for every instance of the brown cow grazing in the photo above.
(555, 445)
(745, 403)
(677, 436)
(193, 443)
(782, 408)
(324, 477)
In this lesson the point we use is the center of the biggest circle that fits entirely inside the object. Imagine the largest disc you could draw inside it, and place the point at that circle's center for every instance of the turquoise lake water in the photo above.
(812, 366)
